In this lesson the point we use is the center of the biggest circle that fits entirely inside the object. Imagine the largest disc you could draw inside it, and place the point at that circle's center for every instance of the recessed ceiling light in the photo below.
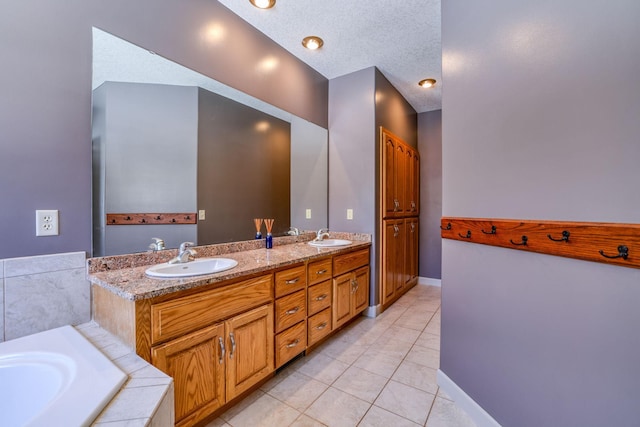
(427, 83)
(312, 42)
(263, 4)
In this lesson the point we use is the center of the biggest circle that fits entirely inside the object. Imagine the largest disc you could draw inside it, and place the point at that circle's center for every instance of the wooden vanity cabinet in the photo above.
(215, 345)
(213, 365)
(350, 286)
(290, 314)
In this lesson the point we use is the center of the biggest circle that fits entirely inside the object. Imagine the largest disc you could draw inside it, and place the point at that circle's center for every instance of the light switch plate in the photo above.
(349, 213)
(202, 215)
(308, 214)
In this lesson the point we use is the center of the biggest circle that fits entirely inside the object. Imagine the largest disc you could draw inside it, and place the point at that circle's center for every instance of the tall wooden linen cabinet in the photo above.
(399, 216)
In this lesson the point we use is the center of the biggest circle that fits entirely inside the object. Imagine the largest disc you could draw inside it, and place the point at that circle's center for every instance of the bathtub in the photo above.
(54, 378)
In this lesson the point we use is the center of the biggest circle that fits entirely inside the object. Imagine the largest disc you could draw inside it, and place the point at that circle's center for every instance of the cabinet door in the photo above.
(250, 352)
(389, 239)
(196, 363)
(360, 297)
(389, 176)
(398, 254)
(415, 192)
(400, 178)
(341, 300)
(411, 250)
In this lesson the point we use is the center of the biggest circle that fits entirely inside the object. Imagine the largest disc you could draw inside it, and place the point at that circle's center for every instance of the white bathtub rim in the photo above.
(95, 383)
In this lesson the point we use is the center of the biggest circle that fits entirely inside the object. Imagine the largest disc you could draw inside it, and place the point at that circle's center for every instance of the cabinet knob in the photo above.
(319, 272)
(321, 297)
(321, 326)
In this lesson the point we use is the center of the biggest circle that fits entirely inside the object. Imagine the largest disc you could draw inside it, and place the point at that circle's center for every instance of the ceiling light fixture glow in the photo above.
(312, 42)
(427, 83)
(263, 4)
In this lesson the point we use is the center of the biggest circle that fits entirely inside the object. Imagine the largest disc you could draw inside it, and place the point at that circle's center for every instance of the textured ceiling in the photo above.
(400, 37)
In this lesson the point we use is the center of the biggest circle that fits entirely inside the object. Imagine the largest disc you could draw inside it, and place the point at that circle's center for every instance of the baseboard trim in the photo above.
(429, 281)
(465, 402)
(372, 311)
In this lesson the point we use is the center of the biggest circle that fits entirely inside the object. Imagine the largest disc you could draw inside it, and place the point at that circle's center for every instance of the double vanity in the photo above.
(223, 334)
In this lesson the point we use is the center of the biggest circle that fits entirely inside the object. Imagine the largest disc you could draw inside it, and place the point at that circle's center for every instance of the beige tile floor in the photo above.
(377, 372)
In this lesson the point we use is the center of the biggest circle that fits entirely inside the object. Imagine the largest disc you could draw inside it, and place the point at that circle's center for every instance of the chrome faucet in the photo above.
(157, 245)
(185, 254)
(322, 233)
(293, 231)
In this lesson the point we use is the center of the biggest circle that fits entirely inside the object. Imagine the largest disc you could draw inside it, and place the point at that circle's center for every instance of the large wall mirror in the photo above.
(168, 140)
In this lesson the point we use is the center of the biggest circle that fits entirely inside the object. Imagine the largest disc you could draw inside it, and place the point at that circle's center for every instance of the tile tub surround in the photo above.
(124, 275)
(43, 292)
(145, 399)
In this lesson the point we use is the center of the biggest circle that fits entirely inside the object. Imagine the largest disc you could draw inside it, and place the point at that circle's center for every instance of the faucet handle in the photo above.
(185, 245)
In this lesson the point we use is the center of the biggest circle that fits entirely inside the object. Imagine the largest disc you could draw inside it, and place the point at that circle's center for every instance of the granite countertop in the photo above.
(125, 275)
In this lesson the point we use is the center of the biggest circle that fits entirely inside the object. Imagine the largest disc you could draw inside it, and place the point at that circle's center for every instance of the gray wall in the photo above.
(45, 108)
(359, 103)
(540, 120)
(244, 158)
(149, 147)
(430, 148)
(309, 172)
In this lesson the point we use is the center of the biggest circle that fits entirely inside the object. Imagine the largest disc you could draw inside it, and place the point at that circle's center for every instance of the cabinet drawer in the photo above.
(319, 271)
(319, 297)
(290, 310)
(291, 280)
(350, 261)
(170, 319)
(290, 343)
(319, 326)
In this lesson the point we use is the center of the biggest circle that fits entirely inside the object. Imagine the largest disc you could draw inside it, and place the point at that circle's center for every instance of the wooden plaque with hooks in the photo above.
(151, 218)
(611, 243)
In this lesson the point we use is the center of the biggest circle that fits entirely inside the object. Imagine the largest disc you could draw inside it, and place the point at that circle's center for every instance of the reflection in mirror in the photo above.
(168, 140)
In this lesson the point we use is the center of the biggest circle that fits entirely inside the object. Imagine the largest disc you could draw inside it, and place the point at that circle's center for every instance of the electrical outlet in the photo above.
(47, 223)
(202, 215)
(349, 213)
(308, 214)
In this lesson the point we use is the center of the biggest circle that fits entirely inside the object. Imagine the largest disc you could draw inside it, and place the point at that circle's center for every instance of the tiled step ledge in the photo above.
(145, 399)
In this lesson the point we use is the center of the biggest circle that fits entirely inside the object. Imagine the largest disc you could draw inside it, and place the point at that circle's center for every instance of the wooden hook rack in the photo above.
(151, 218)
(611, 243)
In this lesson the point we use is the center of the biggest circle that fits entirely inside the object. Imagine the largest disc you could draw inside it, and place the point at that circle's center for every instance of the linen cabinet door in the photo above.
(250, 349)
(389, 188)
(196, 363)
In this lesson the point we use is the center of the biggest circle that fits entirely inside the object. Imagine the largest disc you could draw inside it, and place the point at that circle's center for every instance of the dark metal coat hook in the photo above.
(447, 228)
(468, 235)
(564, 238)
(523, 243)
(158, 218)
(143, 221)
(623, 252)
(493, 230)
(128, 218)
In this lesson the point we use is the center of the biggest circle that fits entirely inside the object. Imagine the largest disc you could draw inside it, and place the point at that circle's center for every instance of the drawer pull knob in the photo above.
(323, 271)
(293, 344)
(221, 343)
(233, 345)
(294, 310)
(321, 326)
(321, 297)
(292, 281)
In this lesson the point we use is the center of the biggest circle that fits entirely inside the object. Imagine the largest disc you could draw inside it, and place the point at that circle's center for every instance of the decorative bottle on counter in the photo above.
(269, 241)
(258, 235)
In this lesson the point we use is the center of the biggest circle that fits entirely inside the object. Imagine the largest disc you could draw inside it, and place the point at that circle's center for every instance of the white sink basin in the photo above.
(329, 243)
(197, 267)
